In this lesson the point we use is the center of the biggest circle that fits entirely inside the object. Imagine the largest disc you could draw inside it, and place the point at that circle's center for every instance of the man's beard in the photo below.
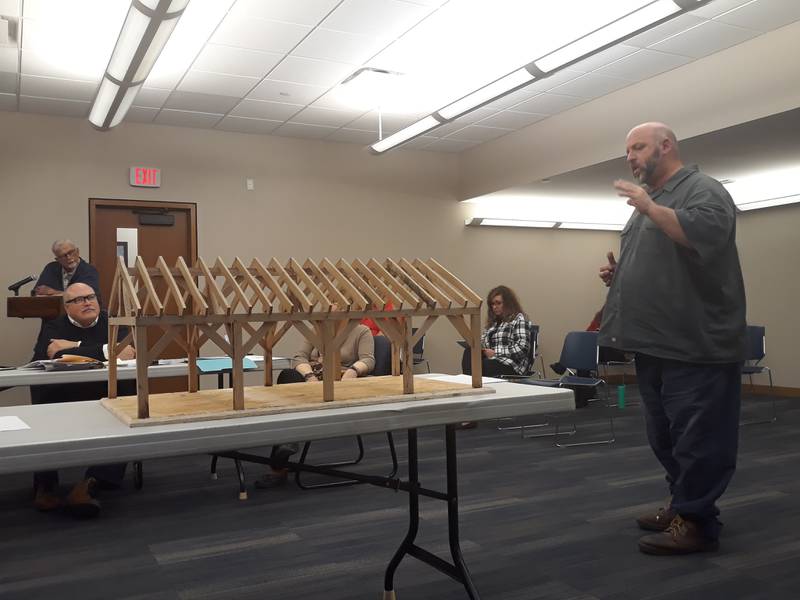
(646, 173)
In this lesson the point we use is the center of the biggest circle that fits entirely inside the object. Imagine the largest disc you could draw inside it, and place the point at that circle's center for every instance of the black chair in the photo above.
(756, 350)
(383, 366)
(579, 354)
(418, 351)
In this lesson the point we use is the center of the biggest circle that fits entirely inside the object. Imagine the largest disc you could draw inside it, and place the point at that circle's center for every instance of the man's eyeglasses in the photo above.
(81, 299)
(67, 253)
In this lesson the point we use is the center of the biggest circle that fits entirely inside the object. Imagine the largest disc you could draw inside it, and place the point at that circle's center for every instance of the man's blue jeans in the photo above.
(692, 416)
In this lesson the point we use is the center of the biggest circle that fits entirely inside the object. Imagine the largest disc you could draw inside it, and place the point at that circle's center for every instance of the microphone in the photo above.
(14, 287)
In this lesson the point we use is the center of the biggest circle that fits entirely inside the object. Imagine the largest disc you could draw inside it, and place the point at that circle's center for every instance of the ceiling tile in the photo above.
(259, 34)
(665, 30)
(549, 104)
(260, 109)
(390, 122)
(764, 15)
(285, 91)
(9, 8)
(35, 64)
(418, 143)
(236, 61)
(447, 129)
(603, 58)
(9, 60)
(8, 102)
(151, 98)
(51, 106)
(644, 64)
(311, 71)
(8, 83)
(304, 131)
(141, 114)
(592, 85)
(206, 103)
(449, 145)
(353, 136)
(339, 46)
(556, 79)
(478, 133)
(217, 83)
(184, 118)
(386, 19)
(511, 99)
(326, 116)
(717, 7)
(476, 115)
(49, 87)
(510, 119)
(705, 39)
(245, 125)
(307, 12)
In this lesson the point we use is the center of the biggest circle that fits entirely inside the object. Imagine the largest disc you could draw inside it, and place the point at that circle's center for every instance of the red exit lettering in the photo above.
(145, 176)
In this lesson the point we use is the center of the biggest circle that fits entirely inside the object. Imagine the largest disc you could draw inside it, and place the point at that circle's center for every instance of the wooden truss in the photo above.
(241, 306)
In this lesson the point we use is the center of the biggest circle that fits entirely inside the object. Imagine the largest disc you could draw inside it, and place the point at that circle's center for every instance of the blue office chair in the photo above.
(756, 350)
(579, 354)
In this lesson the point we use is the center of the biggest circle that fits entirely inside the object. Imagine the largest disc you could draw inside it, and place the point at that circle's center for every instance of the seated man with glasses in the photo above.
(83, 330)
(67, 268)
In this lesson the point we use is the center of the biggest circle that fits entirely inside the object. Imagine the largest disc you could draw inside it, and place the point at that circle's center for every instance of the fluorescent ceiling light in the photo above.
(406, 134)
(614, 31)
(767, 188)
(756, 204)
(143, 36)
(500, 87)
(510, 223)
(593, 226)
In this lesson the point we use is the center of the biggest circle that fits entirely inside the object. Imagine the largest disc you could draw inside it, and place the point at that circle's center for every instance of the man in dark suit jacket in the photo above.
(66, 269)
(83, 330)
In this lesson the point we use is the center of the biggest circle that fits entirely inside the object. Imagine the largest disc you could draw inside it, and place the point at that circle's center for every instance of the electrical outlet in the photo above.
(250, 184)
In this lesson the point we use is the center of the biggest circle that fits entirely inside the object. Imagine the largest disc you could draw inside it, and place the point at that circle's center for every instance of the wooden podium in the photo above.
(40, 307)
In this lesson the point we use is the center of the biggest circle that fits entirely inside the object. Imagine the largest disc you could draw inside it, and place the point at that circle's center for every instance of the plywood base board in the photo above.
(206, 405)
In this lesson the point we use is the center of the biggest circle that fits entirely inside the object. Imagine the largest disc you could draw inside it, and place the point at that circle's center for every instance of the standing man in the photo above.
(676, 300)
(67, 268)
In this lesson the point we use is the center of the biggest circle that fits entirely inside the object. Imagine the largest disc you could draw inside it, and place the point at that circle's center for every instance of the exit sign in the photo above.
(145, 177)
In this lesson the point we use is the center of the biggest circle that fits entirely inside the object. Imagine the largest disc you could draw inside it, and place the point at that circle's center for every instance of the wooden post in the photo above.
(237, 358)
(191, 357)
(113, 331)
(408, 358)
(142, 388)
(475, 345)
(395, 359)
(329, 364)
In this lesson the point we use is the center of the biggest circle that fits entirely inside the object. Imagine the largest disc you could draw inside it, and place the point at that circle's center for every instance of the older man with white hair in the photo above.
(67, 268)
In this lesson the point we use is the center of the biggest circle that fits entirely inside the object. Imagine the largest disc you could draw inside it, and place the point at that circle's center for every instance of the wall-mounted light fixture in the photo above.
(650, 14)
(481, 221)
(146, 30)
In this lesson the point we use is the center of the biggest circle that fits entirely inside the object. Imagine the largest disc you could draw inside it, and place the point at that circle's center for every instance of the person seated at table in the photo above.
(374, 328)
(83, 330)
(506, 342)
(356, 358)
(67, 268)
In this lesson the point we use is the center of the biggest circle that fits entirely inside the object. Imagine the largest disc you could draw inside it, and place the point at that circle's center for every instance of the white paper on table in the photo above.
(12, 423)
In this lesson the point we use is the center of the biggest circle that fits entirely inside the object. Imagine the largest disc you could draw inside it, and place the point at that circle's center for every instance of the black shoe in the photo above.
(281, 454)
(558, 368)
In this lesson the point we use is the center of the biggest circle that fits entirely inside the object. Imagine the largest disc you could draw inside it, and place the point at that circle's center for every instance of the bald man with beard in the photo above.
(676, 300)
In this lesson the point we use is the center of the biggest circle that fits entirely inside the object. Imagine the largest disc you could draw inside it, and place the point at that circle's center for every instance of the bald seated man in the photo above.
(83, 330)
(67, 268)
(676, 300)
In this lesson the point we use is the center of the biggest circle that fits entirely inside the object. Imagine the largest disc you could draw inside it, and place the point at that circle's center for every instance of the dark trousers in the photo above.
(692, 417)
(283, 452)
(489, 367)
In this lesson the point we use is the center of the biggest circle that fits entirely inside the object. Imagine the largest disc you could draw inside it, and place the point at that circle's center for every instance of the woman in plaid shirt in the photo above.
(506, 343)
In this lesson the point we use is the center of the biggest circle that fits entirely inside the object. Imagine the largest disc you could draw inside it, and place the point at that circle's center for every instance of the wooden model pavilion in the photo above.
(239, 307)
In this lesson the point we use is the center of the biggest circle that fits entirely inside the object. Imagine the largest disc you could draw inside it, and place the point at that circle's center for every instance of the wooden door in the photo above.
(167, 229)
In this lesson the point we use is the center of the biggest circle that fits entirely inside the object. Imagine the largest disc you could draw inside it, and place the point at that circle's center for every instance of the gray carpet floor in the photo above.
(537, 523)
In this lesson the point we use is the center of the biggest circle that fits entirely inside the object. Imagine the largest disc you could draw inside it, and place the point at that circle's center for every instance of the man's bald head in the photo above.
(651, 150)
(80, 302)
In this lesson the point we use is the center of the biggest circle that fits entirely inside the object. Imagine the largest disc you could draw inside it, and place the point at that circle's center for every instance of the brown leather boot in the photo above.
(659, 520)
(46, 500)
(681, 537)
(81, 501)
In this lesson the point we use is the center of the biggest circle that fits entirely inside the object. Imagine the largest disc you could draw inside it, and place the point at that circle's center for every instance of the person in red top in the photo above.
(373, 326)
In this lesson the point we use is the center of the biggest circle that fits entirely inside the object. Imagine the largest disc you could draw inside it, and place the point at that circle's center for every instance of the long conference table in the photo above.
(82, 433)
